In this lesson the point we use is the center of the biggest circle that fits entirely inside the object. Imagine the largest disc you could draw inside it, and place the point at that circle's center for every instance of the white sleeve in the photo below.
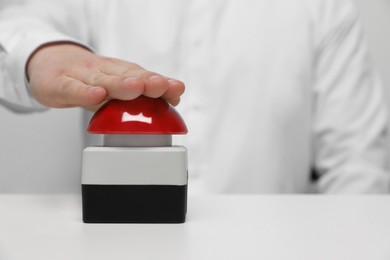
(23, 29)
(350, 132)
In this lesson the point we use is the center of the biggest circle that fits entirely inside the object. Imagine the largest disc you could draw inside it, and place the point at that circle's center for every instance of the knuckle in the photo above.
(130, 92)
(96, 79)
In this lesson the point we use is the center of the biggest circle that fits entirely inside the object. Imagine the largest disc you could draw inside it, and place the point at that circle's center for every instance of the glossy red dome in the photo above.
(142, 115)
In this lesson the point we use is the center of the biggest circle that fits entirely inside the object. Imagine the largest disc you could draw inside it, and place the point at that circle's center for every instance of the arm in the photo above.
(48, 40)
(350, 133)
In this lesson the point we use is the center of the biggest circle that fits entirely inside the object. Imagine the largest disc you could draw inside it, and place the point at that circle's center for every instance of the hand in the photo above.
(67, 75)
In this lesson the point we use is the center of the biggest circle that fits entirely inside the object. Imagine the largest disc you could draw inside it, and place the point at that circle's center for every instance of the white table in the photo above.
(40, 227)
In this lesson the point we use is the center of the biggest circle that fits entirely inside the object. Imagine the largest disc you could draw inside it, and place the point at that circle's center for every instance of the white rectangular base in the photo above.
(135, 165)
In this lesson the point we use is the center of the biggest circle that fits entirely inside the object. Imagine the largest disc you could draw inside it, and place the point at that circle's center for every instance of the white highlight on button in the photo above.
(126, 117)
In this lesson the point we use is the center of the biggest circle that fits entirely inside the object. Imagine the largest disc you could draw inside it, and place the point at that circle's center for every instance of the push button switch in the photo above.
(137, 176)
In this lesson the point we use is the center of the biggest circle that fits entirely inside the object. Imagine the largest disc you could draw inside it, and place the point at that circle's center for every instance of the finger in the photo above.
(112, 66)
(72, 92)
(126, 81)
(174, 101)
(156, 86)
(175, 90)
(117, 87)
(132, 84)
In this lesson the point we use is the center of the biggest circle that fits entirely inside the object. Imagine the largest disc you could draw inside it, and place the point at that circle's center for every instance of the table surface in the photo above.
(218, 227)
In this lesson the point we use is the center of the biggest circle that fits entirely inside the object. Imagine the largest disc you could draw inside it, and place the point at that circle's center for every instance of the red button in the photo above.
(142, 115)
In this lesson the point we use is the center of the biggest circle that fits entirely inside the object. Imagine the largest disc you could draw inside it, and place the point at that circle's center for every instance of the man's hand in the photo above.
(67, 75)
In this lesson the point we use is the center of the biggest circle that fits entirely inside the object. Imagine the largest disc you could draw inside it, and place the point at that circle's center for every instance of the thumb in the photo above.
(70, 92)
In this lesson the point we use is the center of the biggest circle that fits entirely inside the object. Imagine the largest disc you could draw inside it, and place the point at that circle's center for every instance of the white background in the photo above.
(37, 149)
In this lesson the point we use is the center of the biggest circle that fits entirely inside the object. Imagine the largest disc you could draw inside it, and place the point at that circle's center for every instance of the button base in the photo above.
(134, 203)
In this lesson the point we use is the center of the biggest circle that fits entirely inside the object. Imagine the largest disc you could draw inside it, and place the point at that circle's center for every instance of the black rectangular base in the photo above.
(134, 203)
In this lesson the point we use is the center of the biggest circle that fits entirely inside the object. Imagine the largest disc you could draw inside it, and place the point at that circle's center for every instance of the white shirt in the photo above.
(274, 88)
